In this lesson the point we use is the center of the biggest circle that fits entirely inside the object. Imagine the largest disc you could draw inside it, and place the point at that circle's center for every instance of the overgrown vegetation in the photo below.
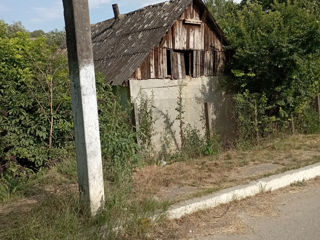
(194, 142)
(275, 82)
(35, 111)
(36, 142)
(275, 67)
(58, 213)
(145, 130)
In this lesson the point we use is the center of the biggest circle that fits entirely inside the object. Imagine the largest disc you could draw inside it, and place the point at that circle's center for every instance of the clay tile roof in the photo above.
(121, 45)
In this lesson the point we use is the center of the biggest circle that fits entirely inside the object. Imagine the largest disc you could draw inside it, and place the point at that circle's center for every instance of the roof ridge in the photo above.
(138, 10)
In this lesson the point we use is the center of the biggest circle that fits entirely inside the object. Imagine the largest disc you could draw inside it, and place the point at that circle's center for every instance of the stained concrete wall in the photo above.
(194, 92)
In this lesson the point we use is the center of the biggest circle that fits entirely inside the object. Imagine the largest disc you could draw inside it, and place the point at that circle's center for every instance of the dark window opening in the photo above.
(168, 62)
(188, 62)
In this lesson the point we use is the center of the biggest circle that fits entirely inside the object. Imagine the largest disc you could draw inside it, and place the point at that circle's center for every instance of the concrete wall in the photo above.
(194, 93)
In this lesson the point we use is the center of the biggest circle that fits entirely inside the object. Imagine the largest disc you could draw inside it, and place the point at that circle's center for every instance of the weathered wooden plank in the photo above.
(143, 70)
(175, 67)
(164, 43)
(197, 35)
(148, 74)
(178, 35)
(183, 64)
(156, 62)
(161, 62)
(199, 63)
(173, 36)
(181, 36)
(165, 66)
(179, 65)
(187, 12)
(191, 39)
(201, 37)
(215, 65)
(187, 37)
(196, 64)
(191, 56)
(182, 16)
(194, 68)
(152, 75)
(138, 73)
(196, 12)
(191, 11)
(184, 32)
(210, 63)
(192, 22)
(206, 63)
(170, 39)
(202, 63)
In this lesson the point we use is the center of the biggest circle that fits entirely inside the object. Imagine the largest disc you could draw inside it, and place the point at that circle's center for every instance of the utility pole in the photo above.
(84, 103)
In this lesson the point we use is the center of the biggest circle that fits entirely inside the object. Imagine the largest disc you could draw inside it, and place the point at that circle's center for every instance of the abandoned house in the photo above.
(165, 53)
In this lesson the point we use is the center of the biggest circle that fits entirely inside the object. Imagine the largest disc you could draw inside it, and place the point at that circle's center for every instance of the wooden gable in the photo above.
(190, 48)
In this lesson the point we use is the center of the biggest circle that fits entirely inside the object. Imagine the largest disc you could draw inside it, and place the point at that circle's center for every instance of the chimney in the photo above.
(116, 11)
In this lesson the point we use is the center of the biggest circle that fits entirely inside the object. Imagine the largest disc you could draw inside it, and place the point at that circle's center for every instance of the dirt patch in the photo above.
(26, 204)
(177, 179)
(183, 180)
(204, 223)
(254, 170)
(22, 205)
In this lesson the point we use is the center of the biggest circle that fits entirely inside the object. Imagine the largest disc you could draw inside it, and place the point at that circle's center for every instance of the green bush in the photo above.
(118, 138)
(35, 110)
(308, 122)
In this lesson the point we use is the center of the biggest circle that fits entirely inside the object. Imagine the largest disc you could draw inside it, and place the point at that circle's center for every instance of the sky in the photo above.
(48, 14)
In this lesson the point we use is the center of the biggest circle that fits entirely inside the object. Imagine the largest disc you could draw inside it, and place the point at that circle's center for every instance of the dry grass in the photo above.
(182, 180)
(226, 219)
(56, 213)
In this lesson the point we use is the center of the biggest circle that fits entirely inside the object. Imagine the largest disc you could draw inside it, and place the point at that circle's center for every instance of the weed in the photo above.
(298, 183)
(60, 214)
(145, 130)
(180, 117)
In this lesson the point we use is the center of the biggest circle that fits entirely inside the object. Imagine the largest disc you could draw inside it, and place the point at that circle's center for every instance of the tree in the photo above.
(37, 33)
(35, 109)
(15, 28)
(272, 49)
(56, 38)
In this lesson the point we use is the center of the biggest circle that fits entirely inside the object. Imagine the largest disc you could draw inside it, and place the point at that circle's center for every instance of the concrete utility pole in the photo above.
(84, 103)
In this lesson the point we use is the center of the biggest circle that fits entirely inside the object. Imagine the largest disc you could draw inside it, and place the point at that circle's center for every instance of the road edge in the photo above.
(271, 183)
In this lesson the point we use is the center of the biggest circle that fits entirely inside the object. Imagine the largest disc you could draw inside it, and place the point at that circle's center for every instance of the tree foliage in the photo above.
(276, 50)
(36, 124)
(35, 108)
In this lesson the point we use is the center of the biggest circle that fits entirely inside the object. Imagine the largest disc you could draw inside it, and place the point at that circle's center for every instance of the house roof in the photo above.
(121, 45)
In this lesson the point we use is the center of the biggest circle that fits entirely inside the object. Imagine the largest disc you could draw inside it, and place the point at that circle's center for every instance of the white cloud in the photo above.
(97, 3)
(150, 2)
(55, 11)
(44, 14)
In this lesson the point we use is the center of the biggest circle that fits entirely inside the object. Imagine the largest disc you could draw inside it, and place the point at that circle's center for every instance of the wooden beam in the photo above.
(192, 22)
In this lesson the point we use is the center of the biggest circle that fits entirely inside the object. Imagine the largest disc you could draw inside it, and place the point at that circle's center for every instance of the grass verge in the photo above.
(49, 208)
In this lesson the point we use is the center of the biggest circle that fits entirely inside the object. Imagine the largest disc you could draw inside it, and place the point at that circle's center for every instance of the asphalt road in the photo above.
(297, 218)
